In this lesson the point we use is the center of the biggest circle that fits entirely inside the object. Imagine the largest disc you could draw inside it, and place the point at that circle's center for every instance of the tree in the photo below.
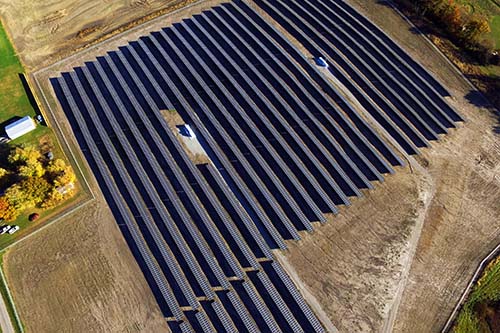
(28, 193)
(475, 27)
(59, 173)
(23, 155)
(28, 161)
(5, 178)
(15, 196)
(53, 198)
(7, 211)
(31, 170)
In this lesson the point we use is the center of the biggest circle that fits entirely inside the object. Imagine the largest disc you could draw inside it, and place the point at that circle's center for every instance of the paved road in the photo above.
(5, 322)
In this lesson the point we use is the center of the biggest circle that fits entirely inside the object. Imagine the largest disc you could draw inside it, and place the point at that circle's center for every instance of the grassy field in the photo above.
(481, 309)
(495, 30)
(14, 101)
(491, 9)
(13, 98)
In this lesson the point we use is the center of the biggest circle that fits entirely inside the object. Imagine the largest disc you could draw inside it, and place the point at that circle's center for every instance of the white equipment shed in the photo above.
(20, 127)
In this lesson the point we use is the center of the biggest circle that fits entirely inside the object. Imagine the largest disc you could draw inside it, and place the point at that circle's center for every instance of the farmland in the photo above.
(46, 32)
(92, 278)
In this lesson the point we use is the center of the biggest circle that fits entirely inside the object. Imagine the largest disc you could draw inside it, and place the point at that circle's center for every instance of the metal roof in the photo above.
(20, 127)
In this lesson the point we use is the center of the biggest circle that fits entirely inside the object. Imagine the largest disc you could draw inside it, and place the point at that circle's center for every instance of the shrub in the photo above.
(52, 199)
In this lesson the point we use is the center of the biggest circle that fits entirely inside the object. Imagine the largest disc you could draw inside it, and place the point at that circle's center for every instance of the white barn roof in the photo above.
(20, 127)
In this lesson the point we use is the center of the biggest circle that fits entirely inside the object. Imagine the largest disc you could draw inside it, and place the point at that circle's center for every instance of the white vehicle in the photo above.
(13, 229)
(4, 229)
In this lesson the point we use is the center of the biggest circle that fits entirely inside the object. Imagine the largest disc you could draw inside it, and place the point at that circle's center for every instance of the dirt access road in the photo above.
(46, 31)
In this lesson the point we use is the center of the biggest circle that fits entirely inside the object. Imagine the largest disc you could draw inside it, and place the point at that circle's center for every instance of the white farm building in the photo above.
(20, 127)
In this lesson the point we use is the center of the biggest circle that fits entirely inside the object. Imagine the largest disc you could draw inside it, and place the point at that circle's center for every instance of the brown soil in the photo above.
(353, 263)
(78, 275)
(46, 31)
(174, 119)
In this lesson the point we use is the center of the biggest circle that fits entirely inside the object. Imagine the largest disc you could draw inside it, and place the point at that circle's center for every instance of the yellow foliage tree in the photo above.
(28, 193)
(28, 154)
(31, 170)
(53, 198)
(59, 173)
(7, 211)
(28, 160)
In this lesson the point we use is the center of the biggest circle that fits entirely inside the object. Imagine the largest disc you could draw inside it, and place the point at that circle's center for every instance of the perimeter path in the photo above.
(5, 322)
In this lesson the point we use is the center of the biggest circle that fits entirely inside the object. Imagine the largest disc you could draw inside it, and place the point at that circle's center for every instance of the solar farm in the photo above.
(285, 148)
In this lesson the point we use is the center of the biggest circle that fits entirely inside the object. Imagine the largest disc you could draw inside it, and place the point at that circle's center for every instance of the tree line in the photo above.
(28, 179)
(463, 27)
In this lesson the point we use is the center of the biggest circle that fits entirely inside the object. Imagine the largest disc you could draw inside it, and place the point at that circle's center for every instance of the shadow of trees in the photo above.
(489, 97)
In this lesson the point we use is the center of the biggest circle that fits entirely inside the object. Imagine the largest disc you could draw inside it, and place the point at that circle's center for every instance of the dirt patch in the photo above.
(46, 31)
(191, 147)
(353, 264)
(79, 276)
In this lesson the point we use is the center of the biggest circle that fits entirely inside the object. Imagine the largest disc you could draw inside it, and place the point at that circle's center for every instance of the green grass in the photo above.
(490, 9)
(13, 98)
(486, 7)
(495, 30)
(486, 291)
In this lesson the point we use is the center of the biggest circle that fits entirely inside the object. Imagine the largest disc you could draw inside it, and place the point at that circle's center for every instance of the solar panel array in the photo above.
(404, 98)
(285, 148)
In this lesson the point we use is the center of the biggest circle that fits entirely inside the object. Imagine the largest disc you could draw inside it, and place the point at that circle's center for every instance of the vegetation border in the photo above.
(465, 295)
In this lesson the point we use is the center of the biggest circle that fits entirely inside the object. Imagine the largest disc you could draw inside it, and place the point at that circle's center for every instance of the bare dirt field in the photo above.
(79, 276)
(45, 31)
(353, 263)
(357, 265)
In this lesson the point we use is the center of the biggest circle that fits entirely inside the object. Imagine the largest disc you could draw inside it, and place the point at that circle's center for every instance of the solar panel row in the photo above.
(398, 93)
(285, 148)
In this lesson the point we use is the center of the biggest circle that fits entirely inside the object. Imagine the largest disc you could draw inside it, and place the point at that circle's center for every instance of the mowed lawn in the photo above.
(490, 9)
(495, 30)
(13, 99)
